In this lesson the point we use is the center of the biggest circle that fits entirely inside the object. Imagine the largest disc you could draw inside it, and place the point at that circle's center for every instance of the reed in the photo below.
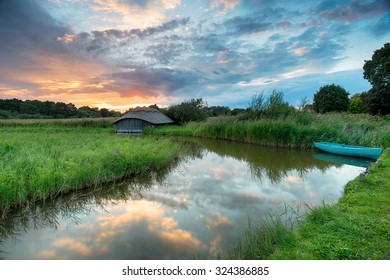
(38, 164)
(58, 123)
(298, 130)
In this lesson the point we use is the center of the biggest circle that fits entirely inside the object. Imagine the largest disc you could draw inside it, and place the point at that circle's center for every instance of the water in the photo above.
(198, 206)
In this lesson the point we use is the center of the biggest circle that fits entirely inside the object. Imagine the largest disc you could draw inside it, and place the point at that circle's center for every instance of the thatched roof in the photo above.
(150, 115)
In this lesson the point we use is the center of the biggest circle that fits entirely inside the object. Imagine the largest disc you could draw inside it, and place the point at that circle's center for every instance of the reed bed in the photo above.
(37, 164)
(299, 130)
(82, 122)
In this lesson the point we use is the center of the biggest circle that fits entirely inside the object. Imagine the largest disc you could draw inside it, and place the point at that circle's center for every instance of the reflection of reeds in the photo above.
(37, 164)
(271, 232)
(46, 214)
(272, 163)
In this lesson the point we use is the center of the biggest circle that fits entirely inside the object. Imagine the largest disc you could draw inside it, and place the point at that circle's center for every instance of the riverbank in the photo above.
(357, 227)
(41, 160)
(299, 130)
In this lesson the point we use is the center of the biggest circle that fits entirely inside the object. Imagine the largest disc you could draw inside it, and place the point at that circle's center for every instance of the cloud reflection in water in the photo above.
(202, 207)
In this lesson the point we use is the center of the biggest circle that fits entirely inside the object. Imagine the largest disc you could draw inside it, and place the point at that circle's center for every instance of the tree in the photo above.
(187, 111)
(214, 111)
(377, 72)
(272, 106)
(331, 98)
(356, 105)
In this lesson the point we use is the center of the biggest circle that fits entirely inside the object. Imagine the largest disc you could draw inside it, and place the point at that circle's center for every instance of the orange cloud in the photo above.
(217, 221)
(68, 248)
(300, 51)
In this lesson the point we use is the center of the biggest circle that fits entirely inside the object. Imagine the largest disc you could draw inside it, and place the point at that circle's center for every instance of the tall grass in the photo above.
(297, 130)
(37, 164)
(58, 123)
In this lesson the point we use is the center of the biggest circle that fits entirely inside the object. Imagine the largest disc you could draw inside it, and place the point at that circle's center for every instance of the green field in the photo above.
(41, 161)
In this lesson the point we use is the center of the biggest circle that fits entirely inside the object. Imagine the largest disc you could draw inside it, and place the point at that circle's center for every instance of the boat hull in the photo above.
(348, 150)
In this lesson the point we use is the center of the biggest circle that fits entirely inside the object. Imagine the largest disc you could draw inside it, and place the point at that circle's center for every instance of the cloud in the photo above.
(152, 81)
(227, 4)
(32, 56)
(138, 13)
(148, 50)
(381, 27)
(352, 10)
(243, 25)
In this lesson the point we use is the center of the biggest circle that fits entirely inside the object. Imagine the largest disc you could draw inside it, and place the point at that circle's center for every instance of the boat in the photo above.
(349, 150)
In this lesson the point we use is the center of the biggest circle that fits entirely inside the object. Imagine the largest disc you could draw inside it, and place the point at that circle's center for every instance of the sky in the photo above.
(118, 54)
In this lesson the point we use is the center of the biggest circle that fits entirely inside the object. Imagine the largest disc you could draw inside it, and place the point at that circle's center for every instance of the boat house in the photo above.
(139, 118)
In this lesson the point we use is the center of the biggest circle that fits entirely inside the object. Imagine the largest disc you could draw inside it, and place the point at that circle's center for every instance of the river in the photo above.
(196, 207)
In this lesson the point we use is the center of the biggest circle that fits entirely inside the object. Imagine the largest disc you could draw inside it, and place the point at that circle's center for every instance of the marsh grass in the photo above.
(58, 123)
(297, 130)
(37, 164)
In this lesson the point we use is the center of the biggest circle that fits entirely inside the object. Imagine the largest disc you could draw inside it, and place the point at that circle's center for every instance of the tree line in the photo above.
(375, 101)
(35, 109)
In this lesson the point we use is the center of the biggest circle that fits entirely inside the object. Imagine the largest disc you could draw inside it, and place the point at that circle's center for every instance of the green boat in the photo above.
(348, 150)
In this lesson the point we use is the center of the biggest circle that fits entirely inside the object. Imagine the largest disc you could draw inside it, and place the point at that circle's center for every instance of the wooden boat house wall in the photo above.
(139, 118)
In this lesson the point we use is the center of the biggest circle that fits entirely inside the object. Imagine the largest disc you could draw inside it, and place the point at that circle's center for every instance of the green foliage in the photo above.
(297, 130)
(356, 105)
(258, 103)
(379, 100)
(270, 107)
(214, 111)
(187, 111)
(377, 69)
(377, 72)
(56, 124)
(263, 240)
(39, 163)
(331, 98)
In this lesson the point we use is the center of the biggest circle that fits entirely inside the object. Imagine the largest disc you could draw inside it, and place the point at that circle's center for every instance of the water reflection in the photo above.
(198, 205)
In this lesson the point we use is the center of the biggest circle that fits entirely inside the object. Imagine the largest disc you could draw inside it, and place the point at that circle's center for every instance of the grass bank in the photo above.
(58, 123)
(298, 130)
(39, 162)
(357, 227)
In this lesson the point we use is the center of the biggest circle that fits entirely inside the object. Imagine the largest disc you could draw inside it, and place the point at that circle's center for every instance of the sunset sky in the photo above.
(125, 53)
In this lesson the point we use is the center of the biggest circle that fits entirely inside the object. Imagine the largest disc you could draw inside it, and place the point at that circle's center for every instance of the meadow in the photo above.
(43, 159)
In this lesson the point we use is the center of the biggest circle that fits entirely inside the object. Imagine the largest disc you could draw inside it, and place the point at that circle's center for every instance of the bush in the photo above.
(271, 107)
(187, 111)
(331, 98)
(356, 105)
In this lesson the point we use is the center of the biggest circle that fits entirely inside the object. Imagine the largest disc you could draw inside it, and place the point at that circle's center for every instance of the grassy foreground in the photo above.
(298, 130)
(41, 162)
(357, 227)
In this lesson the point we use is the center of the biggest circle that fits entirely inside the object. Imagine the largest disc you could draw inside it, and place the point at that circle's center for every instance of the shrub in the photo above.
(331, 98)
